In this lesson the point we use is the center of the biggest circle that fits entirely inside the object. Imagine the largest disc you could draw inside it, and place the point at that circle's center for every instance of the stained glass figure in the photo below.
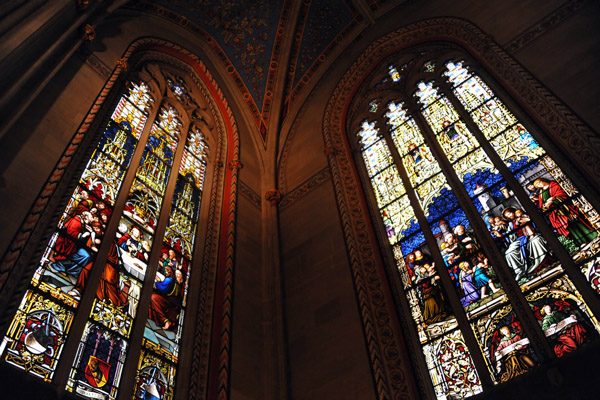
(571, 216)
(504, 344)
(563, 314)
(117, 295)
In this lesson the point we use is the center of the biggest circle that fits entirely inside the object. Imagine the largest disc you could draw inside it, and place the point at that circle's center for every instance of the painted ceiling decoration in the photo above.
(244, 29)
(322, 24)
(326, 19)
(247, 36)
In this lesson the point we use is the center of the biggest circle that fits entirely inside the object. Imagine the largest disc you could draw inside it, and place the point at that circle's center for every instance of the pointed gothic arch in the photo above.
(161, 64)
(378, 287)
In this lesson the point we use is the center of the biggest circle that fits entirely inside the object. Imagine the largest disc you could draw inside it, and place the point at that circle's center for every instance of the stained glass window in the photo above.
(111, 228)
(478, 217)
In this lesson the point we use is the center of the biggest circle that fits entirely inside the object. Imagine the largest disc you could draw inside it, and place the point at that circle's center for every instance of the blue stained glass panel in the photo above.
(442, 204)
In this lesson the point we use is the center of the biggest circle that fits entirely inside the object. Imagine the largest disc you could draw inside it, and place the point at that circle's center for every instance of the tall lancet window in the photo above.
(496, 248)
(126, 238)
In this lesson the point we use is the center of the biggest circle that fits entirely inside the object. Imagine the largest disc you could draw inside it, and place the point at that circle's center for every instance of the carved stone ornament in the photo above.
(330, 151)
(122, 64)
(89, 33)
(235, 164)
(83, 4)
(273, 196)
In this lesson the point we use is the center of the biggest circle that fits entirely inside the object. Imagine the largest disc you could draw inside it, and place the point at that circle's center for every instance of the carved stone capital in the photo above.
(273, 196)
(89, 33)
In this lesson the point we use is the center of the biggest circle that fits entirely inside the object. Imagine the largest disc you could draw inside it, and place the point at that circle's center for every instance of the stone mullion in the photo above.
(139, 323)
(442, 272)
(89, 293)
(512, 290)
(574, 273)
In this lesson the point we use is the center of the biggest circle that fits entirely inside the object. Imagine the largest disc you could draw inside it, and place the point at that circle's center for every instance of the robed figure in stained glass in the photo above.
(432, 303)
(510, 352)
(565, 218)
(526, 250)
(109, 288)
(165, 302)
(561, 324)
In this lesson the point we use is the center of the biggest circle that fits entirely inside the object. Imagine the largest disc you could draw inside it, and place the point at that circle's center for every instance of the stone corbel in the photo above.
(235, 164)
(88, 34)
(83, 4)
(122, 65)
(273, 196)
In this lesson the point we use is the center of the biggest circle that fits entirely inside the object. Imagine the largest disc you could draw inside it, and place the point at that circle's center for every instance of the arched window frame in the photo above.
(216, 119)
(342, 117)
